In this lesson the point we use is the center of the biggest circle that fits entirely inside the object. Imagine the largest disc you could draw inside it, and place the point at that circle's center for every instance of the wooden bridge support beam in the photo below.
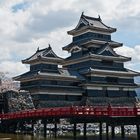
(55, 129)
(100, 130)
(32, 127)
(122, 132)
(45, 128)
(6, 127)
(15, 127)
(74, 130)
(138, 132)
(113, 132)
(20, 123)
(107, 132)
(85, 130)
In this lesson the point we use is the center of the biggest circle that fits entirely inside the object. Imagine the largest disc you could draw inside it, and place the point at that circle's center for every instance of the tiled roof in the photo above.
(125, 72)
(88, 40)
(43, 54)
(96, 23)
(60, 73)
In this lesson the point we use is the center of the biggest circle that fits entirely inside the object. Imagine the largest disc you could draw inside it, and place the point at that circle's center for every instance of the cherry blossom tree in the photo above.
(6, 83)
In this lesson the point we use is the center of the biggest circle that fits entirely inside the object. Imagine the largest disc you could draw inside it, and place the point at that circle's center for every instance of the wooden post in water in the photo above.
(74, 130)
(21, 123)
(113, 132)
(100, 130)
(45, 128)
(122, 132)
(32, 126)
(107, 132)
(85, 130)
(138, 131)
(55, 129)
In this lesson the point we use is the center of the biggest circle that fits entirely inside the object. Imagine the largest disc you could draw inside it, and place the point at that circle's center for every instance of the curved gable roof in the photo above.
(46, 53)
(95, 23)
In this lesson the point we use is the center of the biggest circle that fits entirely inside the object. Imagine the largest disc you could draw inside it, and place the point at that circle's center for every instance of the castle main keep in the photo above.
(94, 74)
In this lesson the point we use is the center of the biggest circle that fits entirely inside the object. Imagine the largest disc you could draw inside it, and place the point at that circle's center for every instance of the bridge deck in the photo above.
(74, 111)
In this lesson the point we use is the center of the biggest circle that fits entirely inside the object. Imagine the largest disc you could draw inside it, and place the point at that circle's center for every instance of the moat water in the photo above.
(40, 137)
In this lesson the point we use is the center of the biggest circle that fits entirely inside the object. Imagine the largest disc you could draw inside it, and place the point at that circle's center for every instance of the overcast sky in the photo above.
(27, 24)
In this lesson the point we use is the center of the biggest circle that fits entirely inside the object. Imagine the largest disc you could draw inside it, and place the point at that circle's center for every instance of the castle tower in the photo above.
(93, 57)
(48, 84)
(94, 74)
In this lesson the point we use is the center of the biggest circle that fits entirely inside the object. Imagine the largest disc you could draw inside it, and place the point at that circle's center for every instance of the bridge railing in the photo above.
(122, 111)
(75, 111)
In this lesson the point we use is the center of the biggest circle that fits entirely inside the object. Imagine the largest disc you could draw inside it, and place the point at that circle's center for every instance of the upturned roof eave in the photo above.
(110, 85)
(112, 43)
(40, 75)
(39, 55)
(25, 75)
(43, 59)
(57, 76)
(76, 31)
(94, 57)
(98, 71)
(117, 58)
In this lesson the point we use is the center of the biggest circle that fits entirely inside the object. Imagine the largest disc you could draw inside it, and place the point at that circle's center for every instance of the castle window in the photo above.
(100, 36)
(128, 93)
(112, 79)
(105, 91)
(107, 62)
(54, 82)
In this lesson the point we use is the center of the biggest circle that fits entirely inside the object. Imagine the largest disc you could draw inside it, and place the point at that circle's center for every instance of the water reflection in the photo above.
(40, 137)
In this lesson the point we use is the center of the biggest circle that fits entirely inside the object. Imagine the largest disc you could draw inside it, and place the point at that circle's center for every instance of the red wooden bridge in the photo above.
(74, 111)
(112, 116)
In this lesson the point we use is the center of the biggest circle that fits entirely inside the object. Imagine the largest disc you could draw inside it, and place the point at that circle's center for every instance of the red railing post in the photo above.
(109, 110)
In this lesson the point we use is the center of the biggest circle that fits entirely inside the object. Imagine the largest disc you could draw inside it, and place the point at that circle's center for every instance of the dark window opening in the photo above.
(100, 36)
(74, 84)
(106, 62)
(54, 82)
(89, 78)
(105, 91)
(112, 79)
(128, 93)
(66, 97)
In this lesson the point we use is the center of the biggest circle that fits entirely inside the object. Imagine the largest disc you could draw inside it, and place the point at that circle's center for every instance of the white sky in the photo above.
(27, 24)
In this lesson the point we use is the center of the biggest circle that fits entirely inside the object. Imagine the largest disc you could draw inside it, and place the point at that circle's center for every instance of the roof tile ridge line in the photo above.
(34, 54)
(100, 20)
(43, 49)
(81, 17)
(29, 57)
(108, 26)
(103, 48)
(92, 18)
(51, 50)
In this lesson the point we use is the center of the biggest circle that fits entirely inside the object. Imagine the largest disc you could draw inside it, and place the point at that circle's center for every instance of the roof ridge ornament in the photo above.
(82, 13)
(99, 18)
(49, 46)
(37, 49)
